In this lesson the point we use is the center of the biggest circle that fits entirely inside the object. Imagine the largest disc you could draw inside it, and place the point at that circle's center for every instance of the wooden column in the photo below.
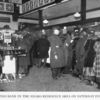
(41, 18)
(83, 10)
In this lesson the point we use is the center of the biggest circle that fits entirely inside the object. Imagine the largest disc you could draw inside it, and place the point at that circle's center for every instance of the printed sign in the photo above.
(7, 38)
(7, 35)
(1, 6)
(6, 7)
(33, 4)
(9, 7)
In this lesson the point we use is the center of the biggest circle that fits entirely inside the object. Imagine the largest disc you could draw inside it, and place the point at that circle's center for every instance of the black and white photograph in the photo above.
(49, 46)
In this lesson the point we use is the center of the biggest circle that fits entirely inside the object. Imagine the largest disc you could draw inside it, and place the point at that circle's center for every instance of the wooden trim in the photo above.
(29, 18)
(74, 23)
(40, 18)
(5, 19)
(8, 13)
(67, 15)
(90, 10)
(37, 9)
(83, 10)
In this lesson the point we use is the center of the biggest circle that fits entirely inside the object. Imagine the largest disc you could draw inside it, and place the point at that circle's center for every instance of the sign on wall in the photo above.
(6, 7)
(7, 34)
(33, 4)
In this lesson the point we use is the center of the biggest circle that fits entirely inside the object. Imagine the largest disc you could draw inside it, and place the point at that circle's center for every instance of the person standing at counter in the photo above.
(24, 60)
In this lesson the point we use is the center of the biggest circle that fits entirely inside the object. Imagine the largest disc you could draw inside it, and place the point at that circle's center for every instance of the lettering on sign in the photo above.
(46, 1)
(33, 4)
(36, 3)
(41, 2)
(6, 7)
(9, 7)
(27, 6)
(1, 6)
(24, 8)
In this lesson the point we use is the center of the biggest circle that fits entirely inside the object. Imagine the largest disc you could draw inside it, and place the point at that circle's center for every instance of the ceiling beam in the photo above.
(40, 18)
(74, 23)
(83, 10)
(29, 18)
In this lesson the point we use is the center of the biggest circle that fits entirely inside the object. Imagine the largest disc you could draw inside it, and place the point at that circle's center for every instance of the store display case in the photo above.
(10, 59)
(10, 53)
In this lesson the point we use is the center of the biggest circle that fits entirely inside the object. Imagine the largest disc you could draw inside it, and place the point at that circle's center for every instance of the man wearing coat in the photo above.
(42, 47)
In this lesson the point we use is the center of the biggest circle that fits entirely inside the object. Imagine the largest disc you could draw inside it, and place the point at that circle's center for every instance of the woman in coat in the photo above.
(97, 62)
(89, 60)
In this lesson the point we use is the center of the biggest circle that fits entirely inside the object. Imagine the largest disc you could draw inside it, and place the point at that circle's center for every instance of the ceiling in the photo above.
(63, 9)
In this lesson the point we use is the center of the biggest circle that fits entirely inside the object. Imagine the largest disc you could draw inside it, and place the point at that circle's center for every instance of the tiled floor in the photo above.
(39, 79)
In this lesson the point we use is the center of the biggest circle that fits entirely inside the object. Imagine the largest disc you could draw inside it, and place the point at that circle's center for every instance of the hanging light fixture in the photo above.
(45, 21)
(77, 15)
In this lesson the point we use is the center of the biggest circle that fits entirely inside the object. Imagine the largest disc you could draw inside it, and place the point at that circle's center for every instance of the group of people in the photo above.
(85, 57)
(78, 55)
(52, 49)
